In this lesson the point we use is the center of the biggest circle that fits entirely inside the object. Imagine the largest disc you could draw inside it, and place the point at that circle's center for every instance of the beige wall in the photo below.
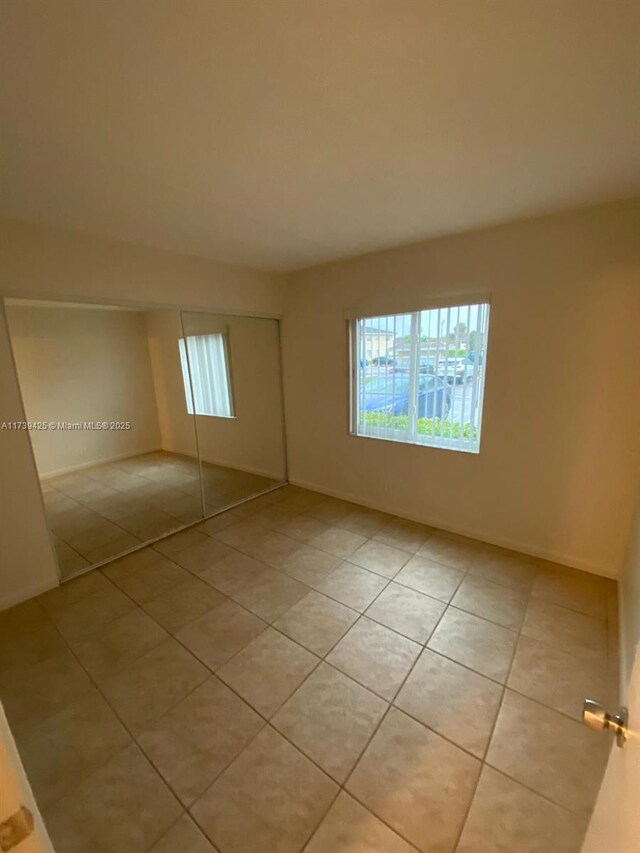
(36, 261)
(177, 429)
(40, 261)
(84, 364)
(253, 439)
(560, 453)
(27, 564)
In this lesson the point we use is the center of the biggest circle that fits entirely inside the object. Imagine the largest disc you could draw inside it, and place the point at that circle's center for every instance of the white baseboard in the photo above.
(18, 596)
(103, 460)
(501, 541)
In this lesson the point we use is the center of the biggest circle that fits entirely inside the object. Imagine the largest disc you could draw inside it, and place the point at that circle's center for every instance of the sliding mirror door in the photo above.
(144, 421)
(232, 383)
(95, 381)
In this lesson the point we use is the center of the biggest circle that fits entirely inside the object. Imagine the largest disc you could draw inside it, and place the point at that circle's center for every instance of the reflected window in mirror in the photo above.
(208, 389)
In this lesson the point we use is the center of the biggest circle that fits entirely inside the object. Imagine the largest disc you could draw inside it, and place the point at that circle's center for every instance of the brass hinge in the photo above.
(15, 829)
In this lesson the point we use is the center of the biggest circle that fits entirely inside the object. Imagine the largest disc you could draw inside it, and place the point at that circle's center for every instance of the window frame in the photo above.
(410, 435)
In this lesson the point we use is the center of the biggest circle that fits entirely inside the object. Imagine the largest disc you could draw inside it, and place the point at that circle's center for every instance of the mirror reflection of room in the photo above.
(88, 385)
(112, 404)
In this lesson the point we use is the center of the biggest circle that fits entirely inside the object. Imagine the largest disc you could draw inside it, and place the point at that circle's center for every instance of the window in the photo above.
(206, 357)
(419, 377)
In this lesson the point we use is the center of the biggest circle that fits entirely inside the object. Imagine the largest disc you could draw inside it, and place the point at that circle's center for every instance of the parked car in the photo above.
(391, 396)
(383, 359)
(427, 365)
(400, 367)
(454, 370)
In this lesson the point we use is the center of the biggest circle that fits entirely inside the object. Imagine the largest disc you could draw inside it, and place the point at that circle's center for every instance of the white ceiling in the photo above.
(284, 133)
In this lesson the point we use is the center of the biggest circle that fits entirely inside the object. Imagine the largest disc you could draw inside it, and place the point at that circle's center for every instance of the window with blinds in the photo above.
(205, 374)
(419, 377)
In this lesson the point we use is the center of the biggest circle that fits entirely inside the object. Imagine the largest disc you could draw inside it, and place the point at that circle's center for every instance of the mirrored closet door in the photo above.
(144, 421)
(236, 397)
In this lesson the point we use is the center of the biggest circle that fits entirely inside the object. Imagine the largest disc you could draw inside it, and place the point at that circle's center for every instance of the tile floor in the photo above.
(99, 512)
(301, 673)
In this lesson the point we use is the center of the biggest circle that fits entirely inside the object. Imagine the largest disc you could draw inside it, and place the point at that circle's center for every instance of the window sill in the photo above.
(208, 415)
(438, 444)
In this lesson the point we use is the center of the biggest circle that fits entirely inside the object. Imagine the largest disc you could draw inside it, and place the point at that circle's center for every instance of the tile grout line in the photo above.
(483, 760)
(390, 705)
(342, 785)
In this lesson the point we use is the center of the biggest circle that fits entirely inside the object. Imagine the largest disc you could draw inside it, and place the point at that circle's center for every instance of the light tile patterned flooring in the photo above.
(100, 512)
(305, 674)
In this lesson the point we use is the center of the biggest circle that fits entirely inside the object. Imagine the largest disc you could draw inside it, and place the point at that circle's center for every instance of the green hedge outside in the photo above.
(425, 426)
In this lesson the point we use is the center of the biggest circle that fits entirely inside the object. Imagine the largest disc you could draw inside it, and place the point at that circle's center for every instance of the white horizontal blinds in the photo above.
(207, 360)
(420, 376)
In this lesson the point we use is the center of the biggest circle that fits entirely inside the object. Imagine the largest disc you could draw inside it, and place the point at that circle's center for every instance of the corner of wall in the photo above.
(28, 566)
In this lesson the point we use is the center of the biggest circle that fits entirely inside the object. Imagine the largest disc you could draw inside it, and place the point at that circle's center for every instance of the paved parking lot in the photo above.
(462, 395)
